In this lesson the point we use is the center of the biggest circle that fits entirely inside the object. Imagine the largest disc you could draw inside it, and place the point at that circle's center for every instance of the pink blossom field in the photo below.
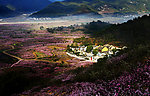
(38, 57)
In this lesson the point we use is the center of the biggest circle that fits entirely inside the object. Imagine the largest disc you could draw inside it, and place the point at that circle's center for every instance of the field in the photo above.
(33, 62)
(28, 43)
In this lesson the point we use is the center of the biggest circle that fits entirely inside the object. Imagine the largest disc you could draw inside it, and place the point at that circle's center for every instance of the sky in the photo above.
(55, 0)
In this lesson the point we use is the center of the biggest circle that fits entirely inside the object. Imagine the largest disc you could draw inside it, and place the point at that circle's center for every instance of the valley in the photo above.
(74, 48)
(44, 59)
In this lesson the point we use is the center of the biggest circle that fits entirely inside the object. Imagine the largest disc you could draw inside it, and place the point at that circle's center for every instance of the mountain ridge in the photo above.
(101, 7)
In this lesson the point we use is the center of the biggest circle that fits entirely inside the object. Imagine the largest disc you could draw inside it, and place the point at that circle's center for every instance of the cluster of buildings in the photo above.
(101, 52)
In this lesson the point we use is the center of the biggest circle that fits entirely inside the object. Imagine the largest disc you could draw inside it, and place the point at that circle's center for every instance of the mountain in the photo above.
(6, 12)
(63, 8)
(25, 5)
(96, 6)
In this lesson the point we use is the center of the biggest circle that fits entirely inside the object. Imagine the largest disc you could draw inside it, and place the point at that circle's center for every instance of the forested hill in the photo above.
(133, 32)
(96, 6)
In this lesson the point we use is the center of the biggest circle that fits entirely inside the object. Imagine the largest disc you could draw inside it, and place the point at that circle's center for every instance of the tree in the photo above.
(72, 45)
(95, 51)
(68, 47)
(89, 48)
(50, 30)
(41, 27)
(76, 45)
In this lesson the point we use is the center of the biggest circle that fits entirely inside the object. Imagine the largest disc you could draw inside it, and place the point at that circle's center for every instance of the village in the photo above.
(92, 53)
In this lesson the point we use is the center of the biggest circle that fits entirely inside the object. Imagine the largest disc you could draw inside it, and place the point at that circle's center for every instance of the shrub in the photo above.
(95, 51)
(89, 48)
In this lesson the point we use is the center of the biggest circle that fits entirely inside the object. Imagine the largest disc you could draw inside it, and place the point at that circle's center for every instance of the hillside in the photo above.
(63, 8)
(132, 32)
(97, 6)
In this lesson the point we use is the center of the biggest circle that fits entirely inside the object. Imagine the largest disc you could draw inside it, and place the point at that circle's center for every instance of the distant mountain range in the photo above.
(11, 7)
(71, 7)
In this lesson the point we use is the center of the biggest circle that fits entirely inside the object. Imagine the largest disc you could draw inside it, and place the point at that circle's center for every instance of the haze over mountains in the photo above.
(71, 7)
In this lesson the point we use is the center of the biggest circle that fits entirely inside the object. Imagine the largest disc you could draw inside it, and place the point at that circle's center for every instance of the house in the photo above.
(112, 47)
(83, 53)
(107, 45)
(82, 48)
(89, 54)
(102, 52)
(99, 54)
(110, 52)
(105, 49)
(97, 47)
(94, 46)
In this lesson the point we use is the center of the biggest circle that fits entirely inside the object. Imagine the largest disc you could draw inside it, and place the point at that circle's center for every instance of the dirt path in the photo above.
(20, 59)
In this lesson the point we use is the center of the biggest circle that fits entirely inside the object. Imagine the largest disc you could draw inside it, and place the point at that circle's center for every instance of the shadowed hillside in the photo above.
(133, 32)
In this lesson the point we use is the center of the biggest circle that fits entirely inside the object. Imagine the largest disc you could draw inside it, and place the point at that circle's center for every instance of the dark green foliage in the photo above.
(69, 49)
(50, 30)
(77, 53)
(95, 51)
(79, 40)
(133, 32)
(53, 30)
(93, 28)
(74, 45)
(42, 27)
(89, 48)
